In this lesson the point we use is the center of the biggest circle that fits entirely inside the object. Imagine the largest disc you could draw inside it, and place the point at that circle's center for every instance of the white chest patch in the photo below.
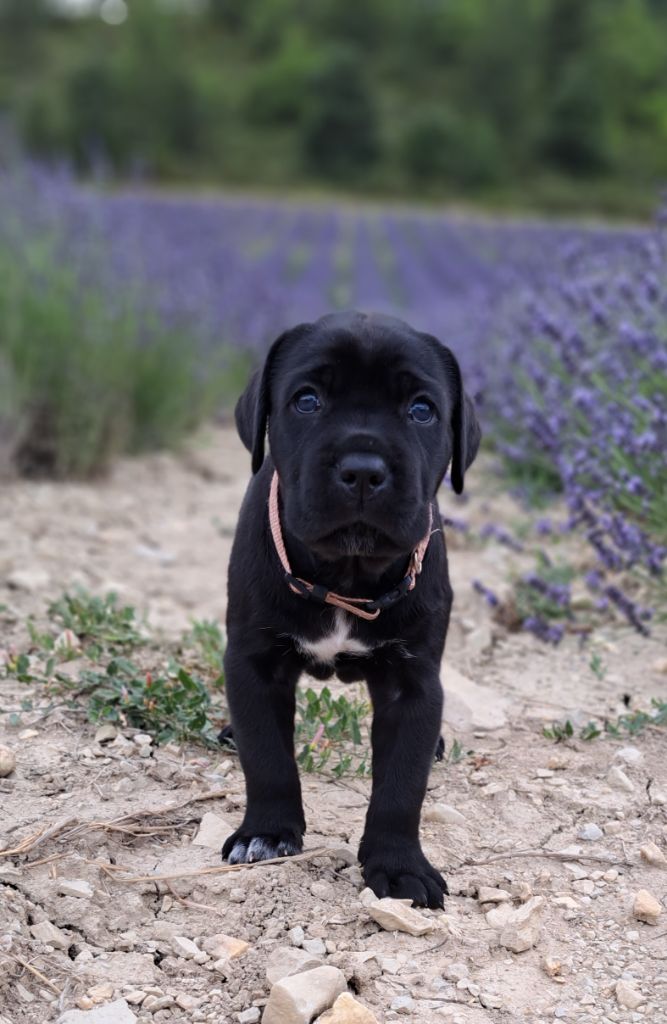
(338, 641)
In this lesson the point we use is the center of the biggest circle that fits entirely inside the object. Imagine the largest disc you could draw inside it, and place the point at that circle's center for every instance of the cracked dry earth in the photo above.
(158, 532)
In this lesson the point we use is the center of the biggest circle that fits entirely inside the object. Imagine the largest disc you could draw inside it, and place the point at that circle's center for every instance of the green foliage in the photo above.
(98, 620)
(325, 728)
(77, 385)
(207, 638)
(170, 705)
(438, 146)
(632, 724)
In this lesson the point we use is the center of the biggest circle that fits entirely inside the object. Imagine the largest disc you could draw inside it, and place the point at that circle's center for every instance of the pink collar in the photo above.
(314, 591)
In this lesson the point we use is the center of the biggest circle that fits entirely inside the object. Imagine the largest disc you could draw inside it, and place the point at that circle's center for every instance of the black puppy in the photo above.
(364, 416)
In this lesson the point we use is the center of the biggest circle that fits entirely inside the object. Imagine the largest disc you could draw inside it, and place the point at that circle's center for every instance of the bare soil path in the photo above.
(158, 532)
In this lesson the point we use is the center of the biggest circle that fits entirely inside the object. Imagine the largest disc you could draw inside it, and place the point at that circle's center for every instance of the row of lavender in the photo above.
(561, 330)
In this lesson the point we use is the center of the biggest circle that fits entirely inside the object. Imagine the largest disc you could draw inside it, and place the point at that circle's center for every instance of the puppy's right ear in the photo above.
(254, 406)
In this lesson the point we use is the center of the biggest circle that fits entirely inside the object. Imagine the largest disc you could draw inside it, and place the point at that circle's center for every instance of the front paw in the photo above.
(401, 870)
(247, 846)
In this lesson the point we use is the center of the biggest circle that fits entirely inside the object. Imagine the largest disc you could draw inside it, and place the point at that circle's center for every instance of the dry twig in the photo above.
(216, 869)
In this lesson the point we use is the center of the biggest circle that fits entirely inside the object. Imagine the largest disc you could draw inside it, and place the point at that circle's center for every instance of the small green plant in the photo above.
(631, 725)
(170, 705)
(99, 621)
(559, 731)
(324, 724)
(456, 753)
(597, 666)
(207, 638)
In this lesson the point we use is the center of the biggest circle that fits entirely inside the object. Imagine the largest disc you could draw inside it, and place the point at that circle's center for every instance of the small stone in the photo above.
(142, 739)
(221, 945)
(561, 1012)
(367, 897)
(237, 895)
(456, 972)
(145, 751)
(48, 933)
(490, 1000)
(213, 830)
(443, 813)
(590, 832)
(628, 996)
(77, 887)
(222, 966)
(499, 916)
(296, 935)
(187, 1002)
(106, 733)
(7, 761)
(522, 930)
(347, 1010)
(201, 958)
(117, 1012)
(300, 997)
(315, 947)
(487, 894)
(153, 1004)
(660, 666)
(551, 966)
(323, 890)
(611, 875)
(521, 891)
(184, 947)
(249, 1016)
(85, 1003)
(402, 1004)
(135, 997)
(101, 993)
(617, 778)
(646, 907)
(398, 915)
(288, 960)
(631, 755)
(652, 854)
(29, 580)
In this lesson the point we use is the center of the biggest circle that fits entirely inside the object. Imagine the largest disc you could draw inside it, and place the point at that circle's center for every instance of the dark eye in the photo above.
(421, 411)
(307, 402)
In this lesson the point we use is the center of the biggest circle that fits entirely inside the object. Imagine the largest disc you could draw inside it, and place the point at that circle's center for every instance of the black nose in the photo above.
(362, 474)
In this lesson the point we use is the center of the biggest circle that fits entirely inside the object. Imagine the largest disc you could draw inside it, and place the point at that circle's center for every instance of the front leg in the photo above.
(261, 697)
(407, 714)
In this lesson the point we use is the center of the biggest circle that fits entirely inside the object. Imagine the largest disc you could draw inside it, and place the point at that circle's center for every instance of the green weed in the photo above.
(631, 724)
(99, 621)
(324, 725)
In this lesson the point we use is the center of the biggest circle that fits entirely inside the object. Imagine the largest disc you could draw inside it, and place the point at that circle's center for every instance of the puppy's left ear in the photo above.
(466, 431)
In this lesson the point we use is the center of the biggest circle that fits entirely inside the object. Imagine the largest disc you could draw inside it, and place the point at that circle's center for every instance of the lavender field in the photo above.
(127, 318)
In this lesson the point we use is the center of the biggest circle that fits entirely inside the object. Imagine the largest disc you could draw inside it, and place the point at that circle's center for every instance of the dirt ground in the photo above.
(158, 532)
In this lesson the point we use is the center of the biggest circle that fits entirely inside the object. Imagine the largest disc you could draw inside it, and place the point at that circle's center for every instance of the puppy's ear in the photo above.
(254, 406)
(466, 431)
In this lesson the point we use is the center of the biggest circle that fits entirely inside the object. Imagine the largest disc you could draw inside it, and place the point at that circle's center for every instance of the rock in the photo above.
(153, 1004)
(367, 897)
(29, 580)
(487, 894)
(456, 971)
(551, 966)
(184, 947)
(221, 945)
(101, 993)
(590, 832)
(628, 996)
(470, 706)
(347, 1010)
(522, 930)
(7, 761)
(78, 887)
(646, 907)
(47, 932)
(187, 1002)
(490, 1000)
(296, 935)
(288, 960)
(315, 947)
(443, 813)
(617, 778)
(652, 854)
(323, 890)
(106, 733)
(660, 666)
(403, 1004)
(117, 1012)
(398, 915)
(249, 1016)
(631, 755)
(499, 916)
(136, 996)
(300, 997)
(213, 830)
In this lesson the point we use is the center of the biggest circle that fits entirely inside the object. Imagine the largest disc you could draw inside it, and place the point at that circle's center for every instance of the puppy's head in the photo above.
(364, 415)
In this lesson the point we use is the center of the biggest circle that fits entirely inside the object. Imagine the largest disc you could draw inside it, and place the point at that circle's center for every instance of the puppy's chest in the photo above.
(339, 639)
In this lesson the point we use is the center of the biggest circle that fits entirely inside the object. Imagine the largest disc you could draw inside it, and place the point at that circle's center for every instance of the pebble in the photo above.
(631, 755)
(490, 1000)
(522, 930)
(444, 813)
(397, 915)
(628, 996)
(249, 1016)
(184, 947)
(221, 945)
(117, 1012)
(101, 993)
(646, 907)
(300, 997)
(652, 854)
(617, 778)
(296, 935)
(106, 733)
(590, 832)
(314, 946)
(551, 966)
(323, 890)
(456, 971)
(402, 1004)
(154, 1003)
(77, 887)
(288, 960)
(212, 832)
(237, 895)
(48, 933)
(347, 1010)
(7, 761)
(487, 894)
(498, 916)
(136, 996)
(187, 1002)
(29, 580)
